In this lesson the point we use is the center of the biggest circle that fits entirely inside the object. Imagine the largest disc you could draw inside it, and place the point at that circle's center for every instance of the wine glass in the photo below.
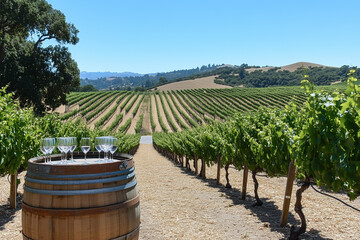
(113, 148)
(43, 148)
(66, 148)
(60, 143)
(72, 147)
(98, 145)
(105, 147)
(49, 145)
(85, 146)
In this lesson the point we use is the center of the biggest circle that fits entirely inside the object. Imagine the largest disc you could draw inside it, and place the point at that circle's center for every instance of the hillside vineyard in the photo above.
(173, 111)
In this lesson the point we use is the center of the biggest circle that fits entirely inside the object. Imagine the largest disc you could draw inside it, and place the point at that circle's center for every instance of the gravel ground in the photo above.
(175, 204)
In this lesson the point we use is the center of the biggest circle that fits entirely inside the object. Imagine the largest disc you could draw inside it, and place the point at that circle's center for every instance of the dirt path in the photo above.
(177, 205)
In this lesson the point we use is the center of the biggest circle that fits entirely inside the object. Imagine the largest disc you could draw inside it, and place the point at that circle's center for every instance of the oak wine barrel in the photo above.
(78, 201)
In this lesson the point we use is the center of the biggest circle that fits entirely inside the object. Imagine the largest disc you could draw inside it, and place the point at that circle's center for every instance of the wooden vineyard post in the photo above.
(13, 191)
(218, 170)
(288, 191)
(245, 178)
(196, 165)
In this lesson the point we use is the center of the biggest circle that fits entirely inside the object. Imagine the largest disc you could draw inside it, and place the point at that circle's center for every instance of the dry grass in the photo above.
(205, 82)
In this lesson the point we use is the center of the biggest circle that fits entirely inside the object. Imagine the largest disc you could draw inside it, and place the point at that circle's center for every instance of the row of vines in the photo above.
(321, 138)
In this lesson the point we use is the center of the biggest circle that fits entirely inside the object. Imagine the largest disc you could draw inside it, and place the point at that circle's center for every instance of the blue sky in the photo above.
(160, 36)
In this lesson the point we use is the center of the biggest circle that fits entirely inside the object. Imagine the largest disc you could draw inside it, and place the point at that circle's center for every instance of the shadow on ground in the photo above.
(7, 214)
(269, 214)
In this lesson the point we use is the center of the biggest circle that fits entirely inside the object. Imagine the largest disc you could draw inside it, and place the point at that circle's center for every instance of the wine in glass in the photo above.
(85, 146)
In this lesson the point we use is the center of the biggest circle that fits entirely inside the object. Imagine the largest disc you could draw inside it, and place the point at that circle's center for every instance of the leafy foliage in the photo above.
(39, 76)
(322, 138)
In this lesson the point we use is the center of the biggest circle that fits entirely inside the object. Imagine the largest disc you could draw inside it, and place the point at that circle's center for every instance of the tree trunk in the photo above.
(203, 169)
(227, 175)
(188, 164)
(13, 183)
(258, 201)
(294, 234)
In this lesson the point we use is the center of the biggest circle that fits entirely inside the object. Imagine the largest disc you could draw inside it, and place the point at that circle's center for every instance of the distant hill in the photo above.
(147, 80)
(288, 75)
(96, 75)
(291, 67)
(231, 75)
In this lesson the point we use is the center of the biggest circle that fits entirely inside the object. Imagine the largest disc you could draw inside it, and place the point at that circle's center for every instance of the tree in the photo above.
(88, 88)
(39, 76)
(162, 80)
(148, 84)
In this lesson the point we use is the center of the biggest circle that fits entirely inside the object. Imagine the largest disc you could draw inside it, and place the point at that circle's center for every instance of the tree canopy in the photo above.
(39, 75)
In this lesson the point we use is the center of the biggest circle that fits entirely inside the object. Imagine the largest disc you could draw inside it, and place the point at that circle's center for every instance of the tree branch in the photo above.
(42, 39)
